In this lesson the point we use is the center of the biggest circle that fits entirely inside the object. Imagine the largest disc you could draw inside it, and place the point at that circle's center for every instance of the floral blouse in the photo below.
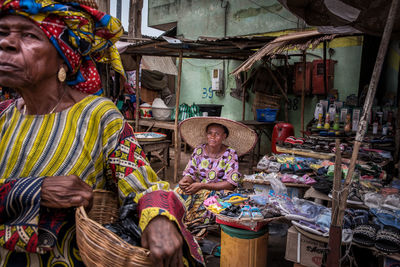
(203, 168)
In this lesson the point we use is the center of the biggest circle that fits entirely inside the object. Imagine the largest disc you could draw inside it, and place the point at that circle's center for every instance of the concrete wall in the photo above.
(206, 17)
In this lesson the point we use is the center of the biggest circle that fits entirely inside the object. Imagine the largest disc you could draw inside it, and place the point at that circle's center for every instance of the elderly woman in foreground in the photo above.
(59, 141)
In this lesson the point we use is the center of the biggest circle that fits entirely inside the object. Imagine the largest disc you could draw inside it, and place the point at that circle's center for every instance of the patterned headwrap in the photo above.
(82, 35)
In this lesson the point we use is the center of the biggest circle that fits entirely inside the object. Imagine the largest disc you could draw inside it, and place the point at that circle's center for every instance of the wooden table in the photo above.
(155, 147)
(260, 128)
(168, 125)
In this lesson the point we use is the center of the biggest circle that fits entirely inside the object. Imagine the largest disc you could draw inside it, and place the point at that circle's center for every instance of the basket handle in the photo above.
(83, 211)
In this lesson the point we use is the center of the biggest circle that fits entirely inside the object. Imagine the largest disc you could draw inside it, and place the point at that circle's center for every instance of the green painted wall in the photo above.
(206, 18)
(391, 67)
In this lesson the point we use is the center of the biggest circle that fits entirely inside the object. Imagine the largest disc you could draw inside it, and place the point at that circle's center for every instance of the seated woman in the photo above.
(214, 164)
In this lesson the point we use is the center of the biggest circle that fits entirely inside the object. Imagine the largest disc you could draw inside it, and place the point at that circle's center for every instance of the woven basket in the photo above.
(99, 246)
(91, 3)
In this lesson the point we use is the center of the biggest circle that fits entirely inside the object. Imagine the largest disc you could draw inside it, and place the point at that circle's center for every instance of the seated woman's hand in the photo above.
(65, 192)
(194, 188)
(164, 241)
(185, 182)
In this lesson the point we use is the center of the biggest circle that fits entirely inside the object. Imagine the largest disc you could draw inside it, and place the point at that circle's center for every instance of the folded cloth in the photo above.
(274, 166)
(286, 168)
(387, 217)
(301, 168)
(263, 164)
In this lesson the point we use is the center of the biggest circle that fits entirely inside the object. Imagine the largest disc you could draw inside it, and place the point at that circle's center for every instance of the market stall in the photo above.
(238, 48)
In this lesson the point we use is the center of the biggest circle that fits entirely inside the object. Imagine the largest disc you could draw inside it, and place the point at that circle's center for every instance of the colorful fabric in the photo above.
(167, 204)
(202, 168)
(195, 209)
(82, 36)
(36, 146)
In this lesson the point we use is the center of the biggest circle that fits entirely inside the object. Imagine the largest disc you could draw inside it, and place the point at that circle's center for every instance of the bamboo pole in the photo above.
(138, 59)
(303, 91)
(177, 151)
(335, 231)
(367, 108)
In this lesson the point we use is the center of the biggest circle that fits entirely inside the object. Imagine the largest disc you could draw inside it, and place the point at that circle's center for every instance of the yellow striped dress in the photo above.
(89, 139)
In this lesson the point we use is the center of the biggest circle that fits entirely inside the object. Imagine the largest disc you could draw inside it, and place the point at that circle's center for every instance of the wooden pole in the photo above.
(135, 19)
(325, 74)
(243, 102)
(177, 151)
(303, 91)
(286, 89)
(138, 59)
(277, 83)
(397, 130)
(368, 104)
(335, 231)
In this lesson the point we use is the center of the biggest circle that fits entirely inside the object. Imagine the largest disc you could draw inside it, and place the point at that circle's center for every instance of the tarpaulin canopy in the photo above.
(344, 16)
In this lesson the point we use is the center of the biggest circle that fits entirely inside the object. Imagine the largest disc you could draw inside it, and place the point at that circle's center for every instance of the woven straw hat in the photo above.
(241, 138)
(91, 3)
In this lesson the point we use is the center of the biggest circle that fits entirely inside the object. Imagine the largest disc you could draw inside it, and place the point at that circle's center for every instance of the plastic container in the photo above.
(266, 114)
(243, 248)
(162, 114)
(280, 132)
(212, 110)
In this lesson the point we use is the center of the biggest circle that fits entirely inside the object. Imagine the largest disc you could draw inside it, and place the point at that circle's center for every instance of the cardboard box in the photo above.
(303, 250)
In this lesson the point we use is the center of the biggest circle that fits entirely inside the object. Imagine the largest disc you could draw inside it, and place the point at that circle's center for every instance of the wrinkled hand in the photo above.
(185, 182)
(194, 188)
(65, 192)
(164, 241)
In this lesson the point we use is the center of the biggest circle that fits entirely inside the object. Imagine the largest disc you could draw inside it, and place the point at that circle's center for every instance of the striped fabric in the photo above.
(89, 140)
(47, 145)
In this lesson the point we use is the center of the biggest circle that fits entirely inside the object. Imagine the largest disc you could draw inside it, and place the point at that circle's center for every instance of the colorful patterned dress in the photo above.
(90, 140)
(204, 169)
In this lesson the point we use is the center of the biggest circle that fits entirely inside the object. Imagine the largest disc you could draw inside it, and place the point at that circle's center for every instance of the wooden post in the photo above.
(368, 104)
(335, 231)
(286, 89)
(243, 102)
(325, 74)
(135, 18)
(397, 130)
(177, 151)
(303, 91)
(138, 59)
(104, 6)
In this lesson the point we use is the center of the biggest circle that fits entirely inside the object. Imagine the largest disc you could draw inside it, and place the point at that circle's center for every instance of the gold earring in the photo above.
(62, 74)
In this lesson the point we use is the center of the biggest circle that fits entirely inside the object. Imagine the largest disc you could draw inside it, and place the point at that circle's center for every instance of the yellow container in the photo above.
(243, 248)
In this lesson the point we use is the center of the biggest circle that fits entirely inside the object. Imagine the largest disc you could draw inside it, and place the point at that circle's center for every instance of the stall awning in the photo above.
(236, 47)
(300, 40)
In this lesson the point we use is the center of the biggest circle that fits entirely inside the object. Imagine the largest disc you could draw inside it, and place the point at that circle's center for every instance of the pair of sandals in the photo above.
(250, 213)
(292, 141)
(386, 239)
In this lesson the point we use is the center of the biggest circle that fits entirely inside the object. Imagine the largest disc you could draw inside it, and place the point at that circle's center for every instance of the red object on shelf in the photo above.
(281, 131)
(299, 77)
(318, 76)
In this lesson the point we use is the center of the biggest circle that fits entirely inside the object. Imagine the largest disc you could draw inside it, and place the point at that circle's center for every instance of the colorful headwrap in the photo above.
(82, 35)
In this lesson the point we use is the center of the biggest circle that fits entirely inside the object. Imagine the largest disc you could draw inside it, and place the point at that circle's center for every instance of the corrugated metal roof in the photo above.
(236, 47)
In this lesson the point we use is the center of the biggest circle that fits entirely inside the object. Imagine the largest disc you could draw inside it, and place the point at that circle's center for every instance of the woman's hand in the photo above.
(194, 188)
(65, 192)
(185, 182)
(164, 241)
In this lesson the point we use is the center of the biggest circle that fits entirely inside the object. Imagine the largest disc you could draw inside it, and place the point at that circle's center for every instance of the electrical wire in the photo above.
(251, 1)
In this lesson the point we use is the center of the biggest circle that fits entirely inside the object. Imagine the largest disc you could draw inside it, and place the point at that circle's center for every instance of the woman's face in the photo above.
(215, 135)
(27, 57)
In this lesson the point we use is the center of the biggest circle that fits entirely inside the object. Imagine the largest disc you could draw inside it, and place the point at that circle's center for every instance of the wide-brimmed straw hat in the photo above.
(241, 138)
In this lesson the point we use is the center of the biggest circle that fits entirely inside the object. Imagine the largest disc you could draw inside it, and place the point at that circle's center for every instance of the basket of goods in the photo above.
(98, 245)
(264, 101)
(161, 111)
